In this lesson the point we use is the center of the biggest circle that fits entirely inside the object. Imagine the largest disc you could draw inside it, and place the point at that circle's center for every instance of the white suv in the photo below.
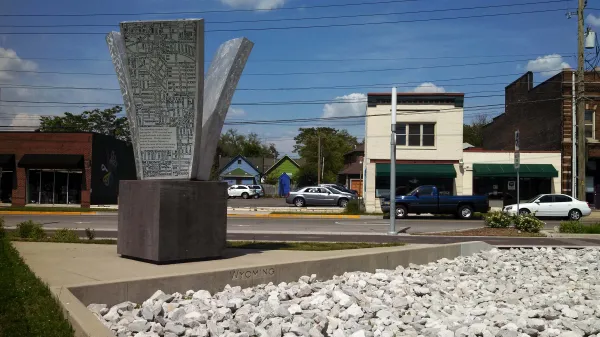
(236, 191)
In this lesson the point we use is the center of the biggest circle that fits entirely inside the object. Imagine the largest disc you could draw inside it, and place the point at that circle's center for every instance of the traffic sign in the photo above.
(517, 140)
(517, 160)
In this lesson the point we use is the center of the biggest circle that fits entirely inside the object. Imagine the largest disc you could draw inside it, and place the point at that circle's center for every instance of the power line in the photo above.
(299, 102)
(299, 73)
(211, 11)
(567, 54)
(312, 18)
(366, 85)
(316, 26)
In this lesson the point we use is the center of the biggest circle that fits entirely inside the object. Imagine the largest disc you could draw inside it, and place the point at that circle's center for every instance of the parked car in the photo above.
(340, 187)
(428, 199)
(260, 191)
(319, 196)
(243, 191)
(552, 205)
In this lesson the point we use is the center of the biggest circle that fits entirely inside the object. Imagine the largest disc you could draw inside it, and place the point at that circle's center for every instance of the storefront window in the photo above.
(6, 186)
(503, 189)
(405, 184)
(54, 187)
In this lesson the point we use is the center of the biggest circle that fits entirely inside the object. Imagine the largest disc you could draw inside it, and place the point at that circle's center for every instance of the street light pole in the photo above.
(393, 166)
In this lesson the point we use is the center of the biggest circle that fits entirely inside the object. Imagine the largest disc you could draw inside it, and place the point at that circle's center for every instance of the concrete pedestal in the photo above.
(169, 221)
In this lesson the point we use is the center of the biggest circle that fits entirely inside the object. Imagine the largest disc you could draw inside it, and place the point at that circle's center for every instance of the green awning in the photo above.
(508, 170)
(237, 173)
(418, 170)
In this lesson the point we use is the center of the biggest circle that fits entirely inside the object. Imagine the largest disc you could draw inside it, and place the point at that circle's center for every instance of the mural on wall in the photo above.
(109, 168)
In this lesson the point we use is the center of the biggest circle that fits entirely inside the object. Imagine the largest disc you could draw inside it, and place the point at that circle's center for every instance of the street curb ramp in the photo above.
(75, 298)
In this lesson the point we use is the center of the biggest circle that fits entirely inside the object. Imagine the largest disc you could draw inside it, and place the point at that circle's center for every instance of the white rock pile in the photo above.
(516, 293)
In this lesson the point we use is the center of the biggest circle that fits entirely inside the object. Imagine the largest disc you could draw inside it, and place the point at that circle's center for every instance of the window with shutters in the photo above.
(415, 134)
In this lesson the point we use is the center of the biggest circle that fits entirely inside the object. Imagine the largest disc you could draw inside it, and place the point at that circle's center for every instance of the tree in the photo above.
(473, 133)
(232, 144)
(104, 122)
(334, 144)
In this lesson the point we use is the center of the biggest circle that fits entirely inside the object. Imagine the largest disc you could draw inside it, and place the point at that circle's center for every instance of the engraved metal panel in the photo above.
(160, 68)
(219, 86)
(165, 66)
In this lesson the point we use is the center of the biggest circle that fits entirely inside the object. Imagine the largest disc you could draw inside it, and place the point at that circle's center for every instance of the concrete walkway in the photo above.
(65, 264)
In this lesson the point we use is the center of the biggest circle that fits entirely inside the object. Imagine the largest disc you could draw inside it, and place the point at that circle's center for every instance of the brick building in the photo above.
(543, 116)
(62, 168)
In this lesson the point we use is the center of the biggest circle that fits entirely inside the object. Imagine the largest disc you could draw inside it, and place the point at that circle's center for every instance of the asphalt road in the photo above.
(257, 225)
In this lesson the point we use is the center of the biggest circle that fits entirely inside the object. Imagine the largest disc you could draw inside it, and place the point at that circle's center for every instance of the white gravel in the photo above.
(516, 293)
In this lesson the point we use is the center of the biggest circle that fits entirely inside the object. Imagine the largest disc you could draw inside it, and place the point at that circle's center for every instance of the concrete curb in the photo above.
(301, 216)
(231, 215)
(571, 236)
(75, 298)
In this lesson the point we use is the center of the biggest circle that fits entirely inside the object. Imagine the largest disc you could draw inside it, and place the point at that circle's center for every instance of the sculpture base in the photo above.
(170, 221)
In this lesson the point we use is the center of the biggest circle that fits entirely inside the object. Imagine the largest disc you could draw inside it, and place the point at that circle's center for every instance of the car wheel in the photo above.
(256, 196)
(245, 195)
(524, 211)
(299, 202)
(574, 214)
(343, 203)
(465, 212)
(401, 212)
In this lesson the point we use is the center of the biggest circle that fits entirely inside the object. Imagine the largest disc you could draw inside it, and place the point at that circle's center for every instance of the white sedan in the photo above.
(236, 191)
(552, 205)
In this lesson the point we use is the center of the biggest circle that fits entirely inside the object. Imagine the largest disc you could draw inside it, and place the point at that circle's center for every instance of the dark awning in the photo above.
(418, 170)
(52, 161)
(508, 170)
(7, 162)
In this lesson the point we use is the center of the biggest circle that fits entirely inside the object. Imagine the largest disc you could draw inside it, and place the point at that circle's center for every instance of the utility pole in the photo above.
(319, 160)
(581, 142)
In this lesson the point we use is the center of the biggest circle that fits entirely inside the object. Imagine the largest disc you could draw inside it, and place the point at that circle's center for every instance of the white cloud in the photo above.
(593, 20)
(548, 65)
(235, 112)
(356, 106)
(24, 122)
(254, 4)
(10, 60)
(428, 87)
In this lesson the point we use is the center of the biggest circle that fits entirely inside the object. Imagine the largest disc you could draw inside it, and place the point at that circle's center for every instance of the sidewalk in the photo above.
(234, 212)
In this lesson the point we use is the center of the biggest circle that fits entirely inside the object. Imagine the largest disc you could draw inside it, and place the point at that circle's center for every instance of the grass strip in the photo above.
(486, 231)
(27, 307)
(259, 245)
(307, 246)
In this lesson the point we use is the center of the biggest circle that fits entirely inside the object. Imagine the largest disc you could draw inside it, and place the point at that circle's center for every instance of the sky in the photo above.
(357, 47)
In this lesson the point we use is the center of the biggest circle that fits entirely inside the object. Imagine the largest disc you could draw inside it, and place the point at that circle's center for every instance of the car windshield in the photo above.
(334, 190)
(534, 198)
(342, 188)
(413, 191)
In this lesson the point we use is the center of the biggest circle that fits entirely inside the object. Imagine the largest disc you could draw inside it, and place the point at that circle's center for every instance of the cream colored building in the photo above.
(429, 151)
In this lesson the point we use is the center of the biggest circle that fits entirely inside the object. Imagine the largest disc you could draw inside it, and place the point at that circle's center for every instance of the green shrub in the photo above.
(576, 227)
(528, 223)
(571, 227)
(353, 207)
(65, 235)
(497, 220)
(31, 230)
(90, 233)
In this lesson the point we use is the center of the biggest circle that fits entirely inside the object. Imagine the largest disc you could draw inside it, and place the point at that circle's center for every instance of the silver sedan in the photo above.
(319, 196)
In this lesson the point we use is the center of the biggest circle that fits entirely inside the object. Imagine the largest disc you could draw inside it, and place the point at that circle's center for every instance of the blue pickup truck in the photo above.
(427, 199)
